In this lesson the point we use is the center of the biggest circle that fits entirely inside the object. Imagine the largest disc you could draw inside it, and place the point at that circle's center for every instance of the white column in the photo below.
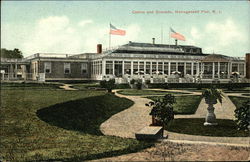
(177, 66)
(103, 67)
(113, 64)
(213, 71)
(219, 70)
(192, 68)
(185, 68)
(169, 68)
(132, 70)
(138, 67)
(228, 70)
(157, 67)
(150, 68)
(198, 68)
(122, 68)
(144, 67)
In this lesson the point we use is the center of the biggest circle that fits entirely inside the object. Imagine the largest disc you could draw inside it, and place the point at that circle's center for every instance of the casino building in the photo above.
(157, 63)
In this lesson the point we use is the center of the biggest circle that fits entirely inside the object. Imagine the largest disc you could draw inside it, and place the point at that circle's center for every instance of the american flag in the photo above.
(115, 31)
(177, 35)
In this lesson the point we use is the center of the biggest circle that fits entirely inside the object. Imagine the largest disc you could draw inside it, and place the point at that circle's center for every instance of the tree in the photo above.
(162, 109)
(15, 53)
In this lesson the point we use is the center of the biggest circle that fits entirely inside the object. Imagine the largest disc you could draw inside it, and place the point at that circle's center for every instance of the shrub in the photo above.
(109, 85)
(242, 115)
(162, 108)
(132, 81)
(139, 85)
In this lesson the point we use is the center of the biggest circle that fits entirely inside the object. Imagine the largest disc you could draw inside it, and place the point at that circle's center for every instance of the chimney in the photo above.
(176, 42)
(99, 48)
(153, 40)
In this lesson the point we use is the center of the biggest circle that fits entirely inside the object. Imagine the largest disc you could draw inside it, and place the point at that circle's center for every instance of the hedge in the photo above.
(197, 85)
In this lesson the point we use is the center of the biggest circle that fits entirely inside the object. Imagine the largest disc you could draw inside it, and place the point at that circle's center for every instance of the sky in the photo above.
(75, 27)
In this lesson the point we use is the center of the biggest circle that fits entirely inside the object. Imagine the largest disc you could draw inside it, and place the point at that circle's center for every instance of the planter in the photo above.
(210, 117)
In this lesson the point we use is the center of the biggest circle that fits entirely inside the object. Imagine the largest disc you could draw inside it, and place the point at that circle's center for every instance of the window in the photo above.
(109, 67)
(160, 69)
(141, 68)
(84, 68)
(195, 68)
(147, 67)
(135, 68)
(241, 69)
(166, 68)
(47, 67)
(66, 68)
(127, 67)
(235, 67)
(172, 67)
(153, 67)
(188, 68)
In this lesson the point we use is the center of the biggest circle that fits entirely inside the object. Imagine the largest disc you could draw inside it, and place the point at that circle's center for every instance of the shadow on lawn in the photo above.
(84, 115)
(194, 126)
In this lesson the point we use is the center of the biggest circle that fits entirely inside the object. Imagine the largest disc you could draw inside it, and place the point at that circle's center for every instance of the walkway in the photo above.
(131, 120)
(67, 87)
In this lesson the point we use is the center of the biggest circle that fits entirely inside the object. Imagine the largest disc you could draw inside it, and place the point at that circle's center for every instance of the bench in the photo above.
(150, 133)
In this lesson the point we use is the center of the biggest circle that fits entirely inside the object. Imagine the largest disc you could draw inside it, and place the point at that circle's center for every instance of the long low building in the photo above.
(144, 61)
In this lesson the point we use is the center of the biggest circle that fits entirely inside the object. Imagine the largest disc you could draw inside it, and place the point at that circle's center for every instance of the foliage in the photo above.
(138, 85)
(147, 82)
(213, 94)
(198, 85)
(109, 85)
(16, 53)
(162, 108)
(242, 115)
(132, 81)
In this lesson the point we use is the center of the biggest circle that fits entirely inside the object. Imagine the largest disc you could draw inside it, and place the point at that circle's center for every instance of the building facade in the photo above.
(156, 63)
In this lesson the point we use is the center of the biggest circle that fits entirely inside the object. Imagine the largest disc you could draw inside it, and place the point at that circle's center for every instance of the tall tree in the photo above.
(15, 53)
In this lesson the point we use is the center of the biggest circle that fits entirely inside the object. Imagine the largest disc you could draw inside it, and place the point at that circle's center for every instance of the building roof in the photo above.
(217, 58)
(150, 48)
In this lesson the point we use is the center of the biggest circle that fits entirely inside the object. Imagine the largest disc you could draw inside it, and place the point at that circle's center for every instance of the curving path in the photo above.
(128, 122)
(67, 87)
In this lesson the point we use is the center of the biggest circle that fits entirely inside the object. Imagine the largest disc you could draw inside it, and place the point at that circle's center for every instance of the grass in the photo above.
(48, 124)
(84, 86)
(194, 126)
(135, 92)
(238, 101)
(184, 104)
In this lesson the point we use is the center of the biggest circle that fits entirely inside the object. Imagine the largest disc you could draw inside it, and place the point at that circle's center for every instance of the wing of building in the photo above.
(146, 61)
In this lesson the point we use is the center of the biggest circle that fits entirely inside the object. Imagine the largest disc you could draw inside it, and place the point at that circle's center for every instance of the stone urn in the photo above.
(210, 117)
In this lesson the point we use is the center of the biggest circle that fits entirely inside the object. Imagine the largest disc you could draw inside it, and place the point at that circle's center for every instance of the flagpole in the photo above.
(109, 37)
(169, 37)
(161, 35)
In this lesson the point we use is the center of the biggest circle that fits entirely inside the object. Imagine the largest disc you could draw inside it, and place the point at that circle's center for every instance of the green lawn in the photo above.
(45, 123)
(237, 101)
(85, 86)
(184, 104)
(194, 126)
(135, 92)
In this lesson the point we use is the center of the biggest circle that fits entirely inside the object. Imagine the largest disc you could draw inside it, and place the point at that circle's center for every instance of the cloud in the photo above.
(220, 37)
(85, 22)
(57, 34)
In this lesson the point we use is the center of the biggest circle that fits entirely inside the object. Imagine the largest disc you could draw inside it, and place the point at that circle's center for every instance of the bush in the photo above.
(242, 115)
(132, 81)
(139, 85)
(162, 108)
(109, 85)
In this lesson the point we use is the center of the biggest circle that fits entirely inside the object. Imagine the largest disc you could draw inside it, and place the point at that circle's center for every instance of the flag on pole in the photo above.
(177, 35)
(116, 31)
